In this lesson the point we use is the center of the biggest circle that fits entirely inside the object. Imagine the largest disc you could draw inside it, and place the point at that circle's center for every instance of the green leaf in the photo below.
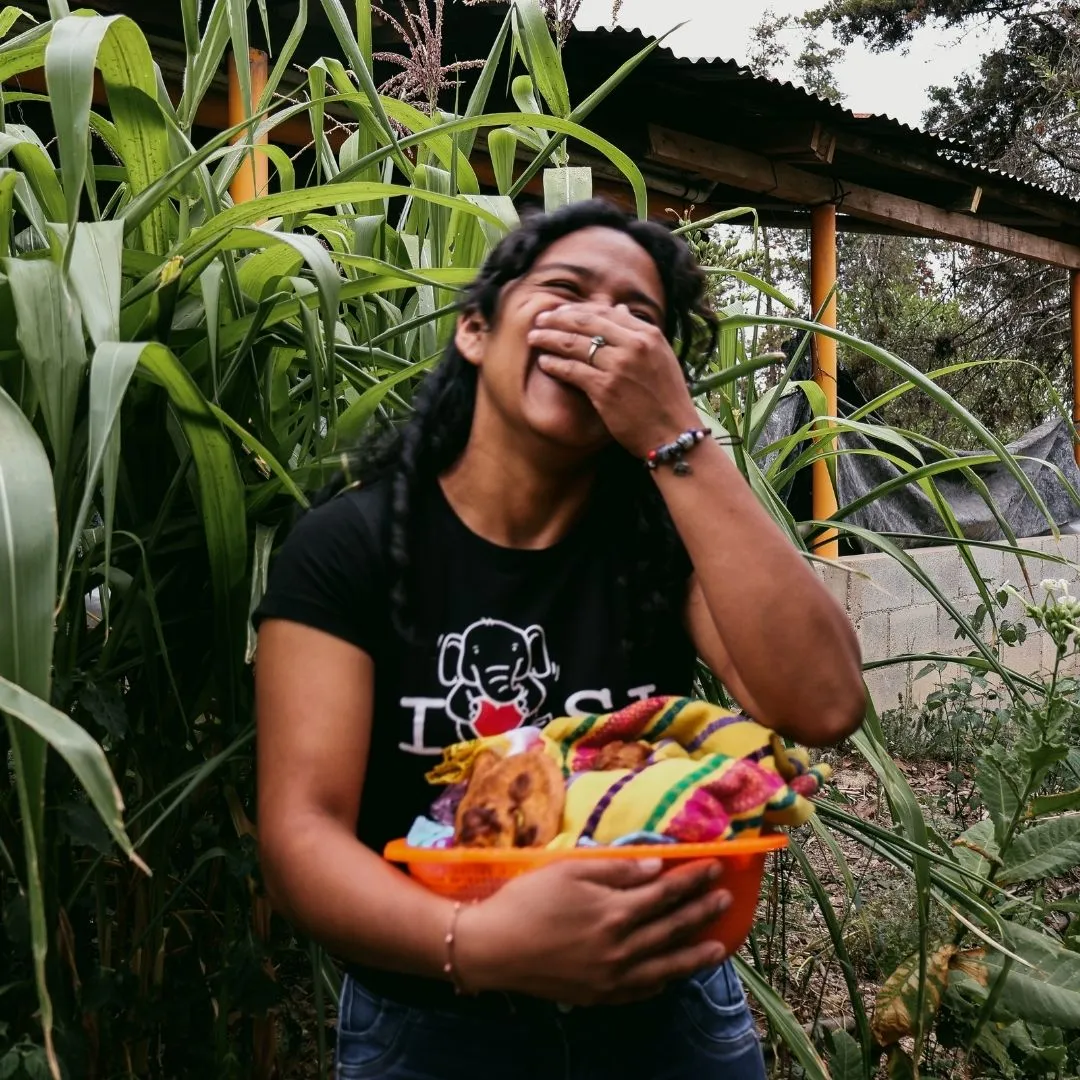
(28, 555)
(110, 372)
(1047, 992)
(1042, 805)
(95, 275)
(75, 745)
(9, 178)
(339, 22)
(204, 65)
(69, 75)
(916, 982)
(783, 1021)
(221, 505)
(999, 794)
(298, 202)
(260, 574)
(353, 419)
(482, 89)
(839, 944)
(9, 16)
(502, 146)
(116, 45)
(846, 1058)
(620, 160)
(50, 335)
(542, 56)
(1043, 851)
(37, 167)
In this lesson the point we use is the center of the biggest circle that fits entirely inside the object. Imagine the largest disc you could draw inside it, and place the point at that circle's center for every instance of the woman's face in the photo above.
(598, 266)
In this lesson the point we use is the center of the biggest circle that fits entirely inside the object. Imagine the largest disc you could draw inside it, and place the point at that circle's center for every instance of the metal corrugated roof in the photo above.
(948, 149)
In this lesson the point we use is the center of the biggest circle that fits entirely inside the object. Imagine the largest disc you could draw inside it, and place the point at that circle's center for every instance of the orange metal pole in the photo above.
(253, 176)
(822, 283)
(1074, 307)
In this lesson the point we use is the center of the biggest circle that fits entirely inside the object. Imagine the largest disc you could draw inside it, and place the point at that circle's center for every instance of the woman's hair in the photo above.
(431, 440)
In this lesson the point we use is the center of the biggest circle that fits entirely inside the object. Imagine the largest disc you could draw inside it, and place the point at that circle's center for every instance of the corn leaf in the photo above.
(110, 372)
(28, 555)
(9, 16)
(541, 56)
(50, 335)
(221, 502)
(94, 275)
(783, 1021)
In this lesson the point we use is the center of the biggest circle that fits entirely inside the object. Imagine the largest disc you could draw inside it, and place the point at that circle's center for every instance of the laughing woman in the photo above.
(508, 557)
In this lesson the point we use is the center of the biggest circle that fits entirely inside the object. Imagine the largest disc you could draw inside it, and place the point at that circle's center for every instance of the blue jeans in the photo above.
(697, 1030)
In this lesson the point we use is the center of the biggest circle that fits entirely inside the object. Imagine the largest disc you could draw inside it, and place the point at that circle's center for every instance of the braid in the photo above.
(433, 438)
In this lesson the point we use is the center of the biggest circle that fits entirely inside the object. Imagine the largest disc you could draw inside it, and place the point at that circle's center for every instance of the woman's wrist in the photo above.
(480, 961)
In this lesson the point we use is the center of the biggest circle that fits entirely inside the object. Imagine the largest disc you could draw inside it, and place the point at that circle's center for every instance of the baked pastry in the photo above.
(510, 802)
(621, 755)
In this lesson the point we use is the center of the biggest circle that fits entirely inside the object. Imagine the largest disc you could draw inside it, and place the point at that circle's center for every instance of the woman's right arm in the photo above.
(314, 704)
(579, 931)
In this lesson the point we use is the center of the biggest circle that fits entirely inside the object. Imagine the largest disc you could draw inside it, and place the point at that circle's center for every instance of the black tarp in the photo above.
(909, 509)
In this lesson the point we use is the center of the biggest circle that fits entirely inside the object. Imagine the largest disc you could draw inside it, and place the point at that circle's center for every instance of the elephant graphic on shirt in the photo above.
(495, 673)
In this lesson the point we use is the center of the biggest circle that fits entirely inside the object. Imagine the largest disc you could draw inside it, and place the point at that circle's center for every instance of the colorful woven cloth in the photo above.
(709, 774)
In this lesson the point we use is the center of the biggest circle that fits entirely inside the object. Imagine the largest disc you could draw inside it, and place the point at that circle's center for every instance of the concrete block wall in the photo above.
(894, 614)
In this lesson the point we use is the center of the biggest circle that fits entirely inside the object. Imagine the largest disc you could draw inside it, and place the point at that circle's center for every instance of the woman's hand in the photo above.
(635, 381)
(592, 931)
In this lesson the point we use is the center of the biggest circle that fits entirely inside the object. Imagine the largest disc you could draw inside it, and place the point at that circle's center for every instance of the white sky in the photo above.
(894, 83)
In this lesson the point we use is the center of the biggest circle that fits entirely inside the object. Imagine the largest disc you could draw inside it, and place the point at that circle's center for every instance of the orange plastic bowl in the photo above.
(474, 874)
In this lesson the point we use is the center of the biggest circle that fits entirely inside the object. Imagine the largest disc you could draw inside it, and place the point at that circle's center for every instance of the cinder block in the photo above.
(1025, 658)
(913, 629)
(991, 564)
(1047, 651)
(873, 633)
(947, 641)
(835, 579)
(890, 585)
(890, 687)
(944, 568)
(922, 688)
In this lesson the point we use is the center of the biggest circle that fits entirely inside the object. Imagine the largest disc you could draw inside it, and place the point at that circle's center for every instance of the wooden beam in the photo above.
(252, 177)
(1043, 204)
(823, 300)
(1074, 310)
(752, 172)
(800, 141)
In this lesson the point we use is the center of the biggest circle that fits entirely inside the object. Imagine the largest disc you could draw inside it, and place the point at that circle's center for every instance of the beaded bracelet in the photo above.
(450, 967)
(674, 453)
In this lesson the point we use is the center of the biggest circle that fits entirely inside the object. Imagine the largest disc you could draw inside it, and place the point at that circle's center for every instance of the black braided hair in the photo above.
(433, 438)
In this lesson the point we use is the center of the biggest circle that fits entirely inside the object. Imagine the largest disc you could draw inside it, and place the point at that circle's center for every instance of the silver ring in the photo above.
(595, 345)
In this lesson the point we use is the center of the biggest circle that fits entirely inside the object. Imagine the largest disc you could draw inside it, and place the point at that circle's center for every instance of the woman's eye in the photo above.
(564, 286)
(644, 316)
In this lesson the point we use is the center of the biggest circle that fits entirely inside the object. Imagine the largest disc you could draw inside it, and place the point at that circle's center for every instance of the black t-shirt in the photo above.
(503, 637)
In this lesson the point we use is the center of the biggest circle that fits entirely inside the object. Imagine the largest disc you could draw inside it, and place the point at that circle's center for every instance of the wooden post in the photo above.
(822, 283)
(253, 176)
(1074, 307)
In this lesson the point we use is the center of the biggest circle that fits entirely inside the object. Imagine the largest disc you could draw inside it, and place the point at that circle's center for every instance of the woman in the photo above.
(508, 558)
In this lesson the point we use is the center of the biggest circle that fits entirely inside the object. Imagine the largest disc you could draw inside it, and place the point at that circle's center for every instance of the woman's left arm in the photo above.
(757, 613)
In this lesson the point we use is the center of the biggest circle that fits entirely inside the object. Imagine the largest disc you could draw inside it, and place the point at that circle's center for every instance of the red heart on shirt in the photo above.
(496, 719)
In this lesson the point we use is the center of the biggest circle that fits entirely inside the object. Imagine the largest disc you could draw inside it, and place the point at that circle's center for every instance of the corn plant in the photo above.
(176, 373)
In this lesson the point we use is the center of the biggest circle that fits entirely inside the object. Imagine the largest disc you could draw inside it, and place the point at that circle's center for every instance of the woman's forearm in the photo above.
(353, 902)
(789, 641)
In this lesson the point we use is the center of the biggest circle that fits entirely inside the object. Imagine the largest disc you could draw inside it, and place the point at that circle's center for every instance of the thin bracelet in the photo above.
(674, 453)
(450, 967)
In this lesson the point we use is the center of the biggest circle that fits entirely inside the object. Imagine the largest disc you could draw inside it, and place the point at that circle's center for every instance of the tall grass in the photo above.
(175, 373)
